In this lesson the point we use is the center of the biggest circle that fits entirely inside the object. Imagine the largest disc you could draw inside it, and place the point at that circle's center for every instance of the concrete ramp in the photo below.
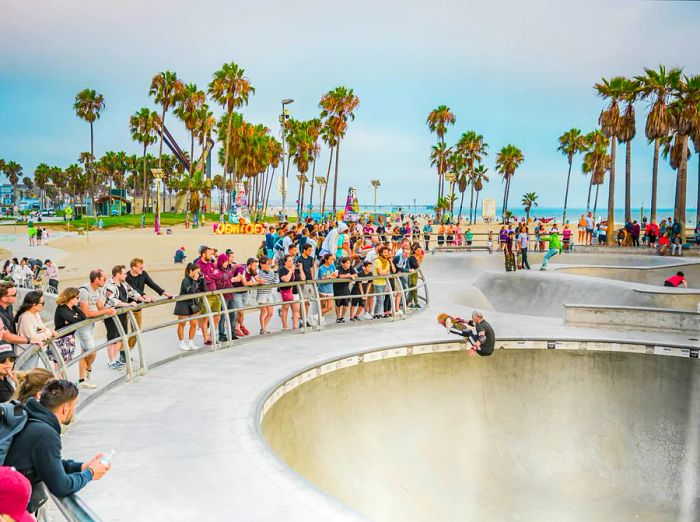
(650, 275)
(524, 435)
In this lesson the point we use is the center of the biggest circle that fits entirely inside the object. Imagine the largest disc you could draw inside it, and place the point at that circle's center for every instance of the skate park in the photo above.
(391, 420)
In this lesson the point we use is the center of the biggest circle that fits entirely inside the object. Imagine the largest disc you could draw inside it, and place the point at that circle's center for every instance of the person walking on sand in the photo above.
(554, 248)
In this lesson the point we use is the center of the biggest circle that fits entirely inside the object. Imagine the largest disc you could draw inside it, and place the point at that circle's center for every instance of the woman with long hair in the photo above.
(30, 384)
(188, 309)
(29, 322)
(288, 273)
(67, 312)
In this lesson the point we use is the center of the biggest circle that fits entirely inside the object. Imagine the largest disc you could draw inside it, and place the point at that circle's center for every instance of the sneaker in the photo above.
(182, 345)
(114, 365)
(244, 330)
(87, 385)
(206, 343)
(367, 316)
(192, 346)
(341, 319)
(237, 333)
(338, 321)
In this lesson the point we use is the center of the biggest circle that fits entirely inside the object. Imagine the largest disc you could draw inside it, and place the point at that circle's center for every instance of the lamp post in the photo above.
(375, 184)
(157, 175)
(283, 118)
(320, 181)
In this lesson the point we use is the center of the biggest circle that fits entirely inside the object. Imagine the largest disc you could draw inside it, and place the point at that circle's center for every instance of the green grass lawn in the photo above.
(134, 221)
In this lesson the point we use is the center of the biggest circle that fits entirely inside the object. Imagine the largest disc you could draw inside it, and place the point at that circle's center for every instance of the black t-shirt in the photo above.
(486, 347)
(342, 286)
(283, 272)
(364, 285)
(307, 264)
(6, 389)
(7, 320)
(65, 316)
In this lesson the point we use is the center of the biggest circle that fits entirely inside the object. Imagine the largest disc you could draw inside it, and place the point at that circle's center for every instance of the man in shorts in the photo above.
(590, 225)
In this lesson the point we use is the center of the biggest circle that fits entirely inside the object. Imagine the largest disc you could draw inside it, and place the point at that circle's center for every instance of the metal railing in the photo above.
(72, 508)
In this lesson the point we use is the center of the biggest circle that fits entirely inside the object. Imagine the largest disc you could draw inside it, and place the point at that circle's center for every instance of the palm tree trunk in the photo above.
(566, 196)
(611, 193)
(92, 173)
(313, 179)
(655, 177)
(505, 198)
(595, 204)
(144, 182)
(328, 177)
(628, 181)
(590, 186)
(335, 179)
(461, 204)
(229, 126)
(471, 202)
(697, 205)
(679, 211)
(476, 205)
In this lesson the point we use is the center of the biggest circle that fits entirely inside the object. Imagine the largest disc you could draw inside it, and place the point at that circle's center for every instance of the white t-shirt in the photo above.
(523, 239)
(589, 222)
(90, 296)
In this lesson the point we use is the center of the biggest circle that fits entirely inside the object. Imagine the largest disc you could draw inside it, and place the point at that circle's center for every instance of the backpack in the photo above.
(12, 421)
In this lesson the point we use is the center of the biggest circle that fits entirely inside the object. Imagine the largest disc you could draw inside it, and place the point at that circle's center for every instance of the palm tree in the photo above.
(472, 148)
(479, 176)
(695, 137)
(88, 107)
(683, 112)
(329, 138)
(570, 143)
(76, 181)
(42, 173)
(144, 125)
(610, 121)
(508, 160)
(439, 157)
(231, 89)
(657, 86)
(338, 107)
(438, 120)
(595, 147)
(529, 200)
(628, 130)
(188, 106)
(166, 90)
(13, 171)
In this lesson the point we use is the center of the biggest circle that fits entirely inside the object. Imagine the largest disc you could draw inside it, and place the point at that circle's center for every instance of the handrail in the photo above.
(72, 507)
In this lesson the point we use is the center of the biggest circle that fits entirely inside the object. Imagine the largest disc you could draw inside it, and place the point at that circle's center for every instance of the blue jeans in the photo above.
(550, 253)
(230, 305)
(380, 299)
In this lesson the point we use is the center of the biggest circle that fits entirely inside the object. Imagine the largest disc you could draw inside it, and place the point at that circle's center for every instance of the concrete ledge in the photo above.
(632, 317)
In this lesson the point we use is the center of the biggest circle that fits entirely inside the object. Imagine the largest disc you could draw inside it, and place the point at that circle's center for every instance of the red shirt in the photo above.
(663, 240)
(675, 280)
(652, 228)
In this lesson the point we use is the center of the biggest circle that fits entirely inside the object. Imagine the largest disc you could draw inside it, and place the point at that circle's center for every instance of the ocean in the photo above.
(572, 213)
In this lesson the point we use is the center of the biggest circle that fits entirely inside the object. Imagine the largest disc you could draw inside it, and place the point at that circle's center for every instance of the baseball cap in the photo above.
(182, 248)
(229, 251)
(7, 350)
(15, 491)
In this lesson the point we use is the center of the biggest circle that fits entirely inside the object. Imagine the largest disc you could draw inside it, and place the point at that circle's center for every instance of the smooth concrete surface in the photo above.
(186, 434)
(633, 317)
(523, 435)
(650, 275)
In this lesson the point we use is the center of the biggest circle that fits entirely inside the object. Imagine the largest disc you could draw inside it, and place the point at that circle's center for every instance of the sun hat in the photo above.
(15, 491)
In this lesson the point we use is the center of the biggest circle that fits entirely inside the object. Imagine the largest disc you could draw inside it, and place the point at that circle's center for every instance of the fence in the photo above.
(72, 508)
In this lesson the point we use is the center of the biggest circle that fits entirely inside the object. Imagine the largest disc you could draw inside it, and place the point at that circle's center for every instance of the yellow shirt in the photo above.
(384, 265)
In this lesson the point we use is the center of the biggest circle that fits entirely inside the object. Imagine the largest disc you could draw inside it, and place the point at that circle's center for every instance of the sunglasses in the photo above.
(11, 359)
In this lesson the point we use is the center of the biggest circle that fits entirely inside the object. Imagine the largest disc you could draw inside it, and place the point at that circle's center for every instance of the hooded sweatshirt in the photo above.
(210, 273)
(36, 453)
(554, 241)
(226, 274)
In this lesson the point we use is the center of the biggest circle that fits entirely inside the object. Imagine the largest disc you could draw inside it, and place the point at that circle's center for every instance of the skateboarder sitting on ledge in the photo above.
(477, 331)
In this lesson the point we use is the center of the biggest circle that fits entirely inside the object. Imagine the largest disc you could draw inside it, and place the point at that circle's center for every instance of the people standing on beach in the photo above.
(590, 226)
(652, 232)
(441, 234)
(635, 232)
(554, 248)
(677, 280)
(427, 230)
(567, 238)
(187, 310)
(502, 236)
(582, 230)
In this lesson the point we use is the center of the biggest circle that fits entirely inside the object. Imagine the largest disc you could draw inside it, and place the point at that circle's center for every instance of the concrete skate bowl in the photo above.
(650, 275)
(544, 293)
(525, 435)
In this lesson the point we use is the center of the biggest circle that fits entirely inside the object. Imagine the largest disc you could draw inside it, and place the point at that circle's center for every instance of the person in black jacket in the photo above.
(36, 450)
(192, 283)
(8, 379)
(138, 279)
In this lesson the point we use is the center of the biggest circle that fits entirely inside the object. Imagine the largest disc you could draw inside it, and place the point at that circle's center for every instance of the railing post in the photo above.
(227, 318)
(391, 294)
(208, 315)
(125, 345)
(317, 297)
(57, 354)
(136, 330)
(302, 304)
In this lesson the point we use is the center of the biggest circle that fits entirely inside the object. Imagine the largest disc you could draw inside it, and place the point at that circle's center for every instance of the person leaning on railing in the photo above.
(8, 328)
(189, 309)
(29, 323)
(36, 450)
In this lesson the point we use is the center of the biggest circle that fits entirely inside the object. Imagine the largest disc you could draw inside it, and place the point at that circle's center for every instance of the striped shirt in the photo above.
(269, 278)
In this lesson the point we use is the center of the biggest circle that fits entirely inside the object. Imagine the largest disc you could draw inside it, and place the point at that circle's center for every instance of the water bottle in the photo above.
(106, 460)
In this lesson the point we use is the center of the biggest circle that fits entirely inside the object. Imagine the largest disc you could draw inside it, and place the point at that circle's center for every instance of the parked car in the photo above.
(48, 212)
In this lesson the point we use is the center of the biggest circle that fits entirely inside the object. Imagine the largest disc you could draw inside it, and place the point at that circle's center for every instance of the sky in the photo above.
(518, 73)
